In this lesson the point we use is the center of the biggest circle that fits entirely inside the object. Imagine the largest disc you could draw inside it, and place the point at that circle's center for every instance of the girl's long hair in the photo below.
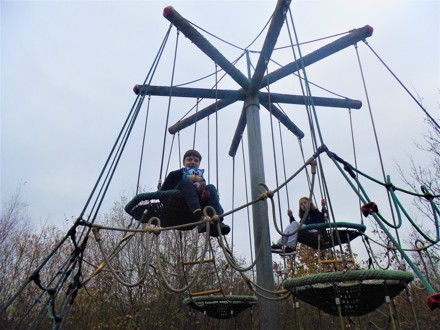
(301, 212)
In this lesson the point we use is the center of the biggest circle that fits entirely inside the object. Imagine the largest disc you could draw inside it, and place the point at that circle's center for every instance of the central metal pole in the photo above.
(268, 309)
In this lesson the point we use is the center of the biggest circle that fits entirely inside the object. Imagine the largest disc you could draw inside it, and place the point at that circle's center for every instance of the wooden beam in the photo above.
(323, 52)
(235, 95)
(205, 46)
(273, 32)
(210, 109)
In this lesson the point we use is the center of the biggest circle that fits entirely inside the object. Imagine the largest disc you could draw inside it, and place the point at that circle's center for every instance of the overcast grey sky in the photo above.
(68, 68)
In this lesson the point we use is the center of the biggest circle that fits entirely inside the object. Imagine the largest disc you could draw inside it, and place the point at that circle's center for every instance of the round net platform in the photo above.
(325, 235)
(221, 306)
(359, 291)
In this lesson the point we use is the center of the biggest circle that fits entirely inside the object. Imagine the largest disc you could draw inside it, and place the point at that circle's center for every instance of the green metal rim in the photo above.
(349, 225)
(347, 276)
(226, 299)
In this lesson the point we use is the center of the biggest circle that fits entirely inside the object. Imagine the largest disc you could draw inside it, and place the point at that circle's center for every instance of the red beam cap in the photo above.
(434, 301)
(369, 29)
(136, 89)
(167, 10)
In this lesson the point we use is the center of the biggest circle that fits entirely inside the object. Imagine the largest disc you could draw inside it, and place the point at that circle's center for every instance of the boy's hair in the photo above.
(193, 153)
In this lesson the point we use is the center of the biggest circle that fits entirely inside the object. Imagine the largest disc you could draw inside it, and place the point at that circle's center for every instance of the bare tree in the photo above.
(13, 228)
(426, 177)
(148, 303)
(22, 249)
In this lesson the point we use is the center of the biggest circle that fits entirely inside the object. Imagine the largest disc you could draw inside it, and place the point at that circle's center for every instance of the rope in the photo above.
(214, 86)
(312, 116)
(391, 189)
(381, 224)
(217, 181)
(206, 77)
(195, 125)
(145, 262)
(307, 94)
(375, 135)
(425, 267)
(247, 210)
(284, 165)
(143, 145)
(196, 275)
(410, 301)
(274, 153)
(229, 43)
(432, 120)
(169, 104)
(355, 157)
(313, 164)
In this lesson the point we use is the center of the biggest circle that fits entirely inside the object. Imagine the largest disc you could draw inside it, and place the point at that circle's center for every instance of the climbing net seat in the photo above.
(167, 205)
(325, 235)
(359, 291)
(221, 306)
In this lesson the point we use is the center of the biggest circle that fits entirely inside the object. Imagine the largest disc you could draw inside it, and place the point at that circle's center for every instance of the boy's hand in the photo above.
(195, 178)
(198, 178)
(200, 186)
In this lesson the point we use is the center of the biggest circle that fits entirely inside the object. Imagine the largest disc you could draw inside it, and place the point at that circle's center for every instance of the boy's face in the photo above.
(191, 161)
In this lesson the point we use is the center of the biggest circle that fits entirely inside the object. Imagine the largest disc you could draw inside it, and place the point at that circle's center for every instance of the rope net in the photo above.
(325, 235)
(357, 292)
(221, 307)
